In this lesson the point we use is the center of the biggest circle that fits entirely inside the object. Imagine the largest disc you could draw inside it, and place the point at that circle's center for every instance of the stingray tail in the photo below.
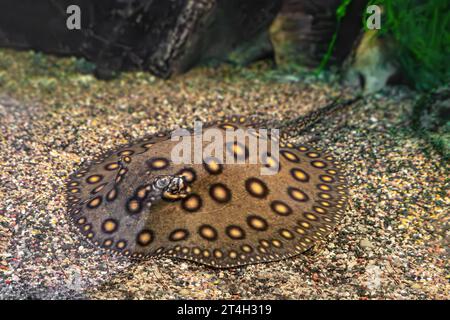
(302, 123)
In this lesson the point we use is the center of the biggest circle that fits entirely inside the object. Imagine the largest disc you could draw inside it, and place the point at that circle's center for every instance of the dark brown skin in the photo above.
(229, 215)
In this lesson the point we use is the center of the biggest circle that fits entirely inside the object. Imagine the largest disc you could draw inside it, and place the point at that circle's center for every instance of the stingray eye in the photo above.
(162, 182)
(182, 183)
(179, 185)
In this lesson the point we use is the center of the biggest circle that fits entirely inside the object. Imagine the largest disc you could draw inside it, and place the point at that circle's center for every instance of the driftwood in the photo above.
(164, 37)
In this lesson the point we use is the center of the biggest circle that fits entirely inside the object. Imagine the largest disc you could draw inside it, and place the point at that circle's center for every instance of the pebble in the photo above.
(366, 244)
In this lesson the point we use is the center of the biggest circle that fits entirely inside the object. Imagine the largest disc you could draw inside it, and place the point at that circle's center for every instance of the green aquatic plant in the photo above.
(341, 11)
(421, 32)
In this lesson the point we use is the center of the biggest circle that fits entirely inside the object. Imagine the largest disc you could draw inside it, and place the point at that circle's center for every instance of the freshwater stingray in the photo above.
(137, 202)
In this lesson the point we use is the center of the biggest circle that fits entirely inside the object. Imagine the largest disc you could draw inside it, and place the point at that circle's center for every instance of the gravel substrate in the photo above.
(391, 244)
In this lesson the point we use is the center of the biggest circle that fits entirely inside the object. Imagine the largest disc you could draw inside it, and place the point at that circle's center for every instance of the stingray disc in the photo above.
(231, 215)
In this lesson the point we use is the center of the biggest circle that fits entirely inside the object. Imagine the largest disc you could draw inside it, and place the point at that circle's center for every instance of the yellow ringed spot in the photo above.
(112, 166)
(109, 226)
(232, 254)
(94, 179)
(299, 175)
(310, 216)
(158, 163)
(305, 224)
(111, 195)
(208, 232)
(99, 188)
(270, 162)
(118, 179)
(332, 171)
(257, 223)
(189, 174)
(297, 194)
(220, 193)
(218, 253)
(121, 244)
(81, 220)
(127, 159)
(318, 164)
(256, 188)
(191, 203)
(289, 156)
(325, 196)
(178, 235)
(246, 248)
(142, 192)
(206, 253)
(126, 153)
(235, 232)
(276, 243)
(326, 178)
(286, 234)
(281, 208)
(107, 243)
(94, 203)
(196, 251)
(300, 230)
(228, 126)
(237, 149)
(212, 165)
(313, 154)
(320, 210)
(134, 206)
(264, 243)
(324, 187)
(147, 145)
(325, 203)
